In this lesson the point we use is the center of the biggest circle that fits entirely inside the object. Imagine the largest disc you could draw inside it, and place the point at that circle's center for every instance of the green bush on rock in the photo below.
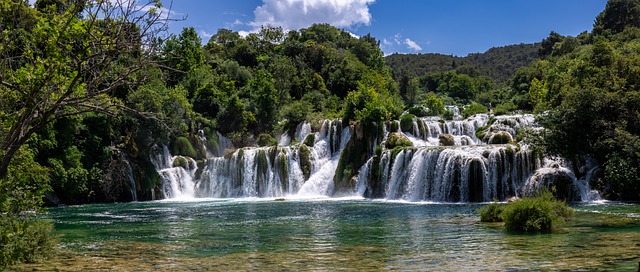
(406, 122)
(541, 213)
(265, 139)
(182, 146)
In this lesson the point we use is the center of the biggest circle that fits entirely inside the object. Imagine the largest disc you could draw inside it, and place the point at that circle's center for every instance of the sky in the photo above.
(452, 27)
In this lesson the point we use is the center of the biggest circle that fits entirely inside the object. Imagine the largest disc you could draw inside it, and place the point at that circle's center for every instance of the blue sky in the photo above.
(456, 27)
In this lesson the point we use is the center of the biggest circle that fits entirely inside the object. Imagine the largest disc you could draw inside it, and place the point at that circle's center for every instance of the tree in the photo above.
(66, 65)
(618, 15)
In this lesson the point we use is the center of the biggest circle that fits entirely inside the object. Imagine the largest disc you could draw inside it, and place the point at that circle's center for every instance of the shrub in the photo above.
(393, 126)
(491, 212)
(505, 108)
(181, 162)
(448, 115)
(418, 111)
(473, 109)
(310, 140)
(24, 239)
(406, 122)
(265, 139)
(183, 147)
(541, 213)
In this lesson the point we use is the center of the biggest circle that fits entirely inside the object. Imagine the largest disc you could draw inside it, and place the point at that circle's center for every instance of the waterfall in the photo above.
(304, 165)
(277, 171)
(177, 173)
(457, 174)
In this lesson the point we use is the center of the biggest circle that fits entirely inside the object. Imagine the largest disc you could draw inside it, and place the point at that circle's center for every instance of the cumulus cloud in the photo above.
(412, 45)
(297, 14)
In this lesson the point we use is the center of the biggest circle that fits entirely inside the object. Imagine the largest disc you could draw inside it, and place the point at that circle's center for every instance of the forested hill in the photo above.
(499, 63)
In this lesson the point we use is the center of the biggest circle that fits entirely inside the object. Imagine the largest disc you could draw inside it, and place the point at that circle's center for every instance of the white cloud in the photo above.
(205, 35)
(412, 45)
(297, 14)
(386, 42)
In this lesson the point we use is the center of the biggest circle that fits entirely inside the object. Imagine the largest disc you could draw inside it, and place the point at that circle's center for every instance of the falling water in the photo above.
(470, 171)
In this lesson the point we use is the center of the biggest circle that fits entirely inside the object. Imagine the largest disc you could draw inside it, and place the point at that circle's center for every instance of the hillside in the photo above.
(499, 63)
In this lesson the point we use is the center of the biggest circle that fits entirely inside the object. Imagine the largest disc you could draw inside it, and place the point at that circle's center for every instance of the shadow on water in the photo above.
(329, 235)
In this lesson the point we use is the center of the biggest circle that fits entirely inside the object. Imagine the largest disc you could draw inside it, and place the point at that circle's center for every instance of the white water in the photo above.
(470, 171)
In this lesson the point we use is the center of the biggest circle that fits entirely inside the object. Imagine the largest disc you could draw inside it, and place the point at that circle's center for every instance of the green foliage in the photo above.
(499, 63)
(504, 108)
(542, 213)
(310, 140)
(617, 16)
(181, 162)
(491, 212)
(369, 106)
(448, 115)
(24, 239)
(434, 104)
(182, 146)
(406, 122)
(305, 160)
(265, 139)
(474, 108)
(623, 175)
(23, 235)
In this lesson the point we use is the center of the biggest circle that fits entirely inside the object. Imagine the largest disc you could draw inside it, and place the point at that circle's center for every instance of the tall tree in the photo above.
(65, 64)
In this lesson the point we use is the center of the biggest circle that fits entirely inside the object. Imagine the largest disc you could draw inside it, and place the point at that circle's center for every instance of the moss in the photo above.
(355, 154)
(406, 122)
(282, 163)
(265, 139)
(393, 126)
(182, 146)
(305, 161)
(397, 139)
(500, 137)
(418, 111)
(446, 140)
(181, 162)
(310, 140)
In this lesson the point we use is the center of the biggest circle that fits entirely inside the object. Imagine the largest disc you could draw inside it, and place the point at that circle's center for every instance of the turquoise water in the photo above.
(329, 235)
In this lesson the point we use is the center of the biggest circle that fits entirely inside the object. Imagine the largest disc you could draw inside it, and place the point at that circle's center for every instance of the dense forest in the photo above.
(89, 88)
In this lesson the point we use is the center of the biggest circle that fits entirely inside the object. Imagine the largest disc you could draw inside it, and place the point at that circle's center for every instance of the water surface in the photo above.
(330, 235)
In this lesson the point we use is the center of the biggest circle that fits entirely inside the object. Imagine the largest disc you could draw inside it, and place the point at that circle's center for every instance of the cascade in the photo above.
(177, 173)
(483, 164)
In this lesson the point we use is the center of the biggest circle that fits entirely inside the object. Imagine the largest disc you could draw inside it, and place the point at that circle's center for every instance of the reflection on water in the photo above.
(328, 235)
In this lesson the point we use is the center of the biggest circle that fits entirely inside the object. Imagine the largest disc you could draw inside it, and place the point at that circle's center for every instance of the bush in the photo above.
(406, 123)
(24, 239)
(418, 111)
(473, 109)
(183, 147)
(505, 108)
(265, 139)
(491, 212)
(448, 115)
(310, 140)
(541, 213)
(181, 162)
